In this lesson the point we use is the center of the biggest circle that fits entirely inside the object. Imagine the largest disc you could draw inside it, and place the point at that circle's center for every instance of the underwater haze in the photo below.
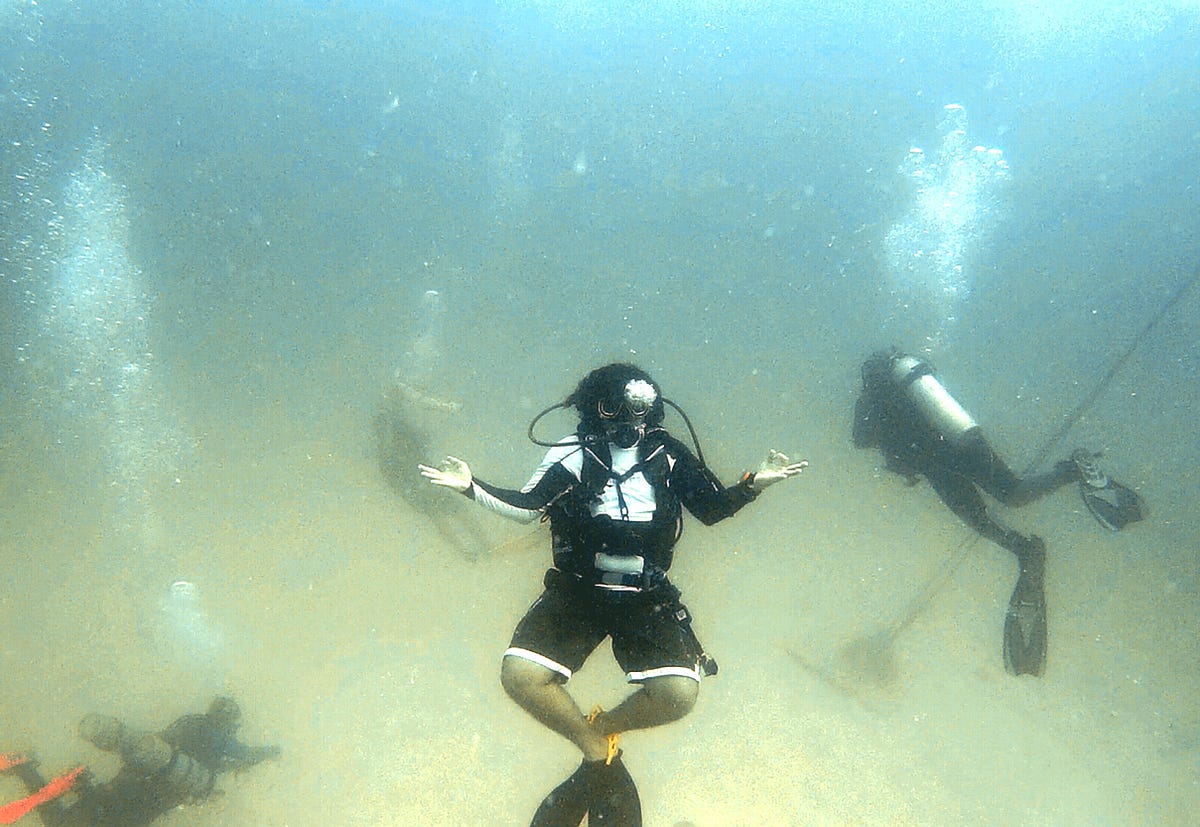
(260, 259)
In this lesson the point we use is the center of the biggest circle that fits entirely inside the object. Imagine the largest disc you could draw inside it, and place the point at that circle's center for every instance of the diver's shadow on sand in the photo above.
(871, 660)
(864, 669)
(402, 441)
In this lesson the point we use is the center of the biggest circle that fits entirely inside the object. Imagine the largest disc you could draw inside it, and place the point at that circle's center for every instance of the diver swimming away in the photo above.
(922, 431)
(160, 771)
(614, 492)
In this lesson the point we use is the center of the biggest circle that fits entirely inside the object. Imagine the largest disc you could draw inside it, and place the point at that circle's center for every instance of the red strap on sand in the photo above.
(9, 813)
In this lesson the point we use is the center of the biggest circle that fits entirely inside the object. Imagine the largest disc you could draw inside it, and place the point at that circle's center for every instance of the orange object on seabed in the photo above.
(8, 760)
(10, 813)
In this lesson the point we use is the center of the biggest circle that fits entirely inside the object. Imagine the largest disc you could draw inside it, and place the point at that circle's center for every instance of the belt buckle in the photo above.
(619, 563)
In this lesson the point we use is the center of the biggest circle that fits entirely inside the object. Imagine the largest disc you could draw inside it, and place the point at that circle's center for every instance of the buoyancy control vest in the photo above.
(579, 536)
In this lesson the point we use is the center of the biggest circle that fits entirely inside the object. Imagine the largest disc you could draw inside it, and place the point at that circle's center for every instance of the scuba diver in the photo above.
(614, 492)
(159, 771)
(907, 414)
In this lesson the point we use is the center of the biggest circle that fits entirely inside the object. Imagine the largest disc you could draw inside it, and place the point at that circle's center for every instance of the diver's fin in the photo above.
(568, 803)
(1112, 504)
(615, 798)
(1025, 636)
(1025, 623)
(604, 792)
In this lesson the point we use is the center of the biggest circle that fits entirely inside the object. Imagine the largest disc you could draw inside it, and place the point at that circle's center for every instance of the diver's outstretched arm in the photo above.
(239, 756)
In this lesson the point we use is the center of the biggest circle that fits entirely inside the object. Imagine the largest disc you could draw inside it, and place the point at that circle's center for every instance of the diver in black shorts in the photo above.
(614, 492)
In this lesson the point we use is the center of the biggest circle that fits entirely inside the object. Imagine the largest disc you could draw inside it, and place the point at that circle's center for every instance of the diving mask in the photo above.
(624, 417)
(636, 401)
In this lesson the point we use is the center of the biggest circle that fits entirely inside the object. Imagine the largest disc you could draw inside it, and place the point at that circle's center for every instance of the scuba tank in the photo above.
(931, 398)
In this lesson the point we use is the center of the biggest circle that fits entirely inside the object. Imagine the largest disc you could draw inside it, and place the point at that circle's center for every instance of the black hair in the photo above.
(877, 370)
(225, 714)
(608, 384)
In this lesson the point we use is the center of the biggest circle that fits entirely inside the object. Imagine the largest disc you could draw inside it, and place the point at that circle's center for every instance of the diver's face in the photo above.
(623, 413)
(624, 422)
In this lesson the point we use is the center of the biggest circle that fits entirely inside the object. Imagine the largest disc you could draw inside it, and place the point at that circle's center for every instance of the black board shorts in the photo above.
(651, 631)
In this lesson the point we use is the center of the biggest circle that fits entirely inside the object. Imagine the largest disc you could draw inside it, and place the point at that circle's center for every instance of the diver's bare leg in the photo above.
(658, 701)
(540, 692)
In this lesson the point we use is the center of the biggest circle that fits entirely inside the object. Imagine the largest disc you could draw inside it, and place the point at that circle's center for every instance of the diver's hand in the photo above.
(454, 473)
(775, 468)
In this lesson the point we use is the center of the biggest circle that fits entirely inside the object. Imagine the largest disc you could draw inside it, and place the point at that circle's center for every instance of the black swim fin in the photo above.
(568, 803)
(1025, 631)
(615, 800)
(1112, 504)
(605, 793)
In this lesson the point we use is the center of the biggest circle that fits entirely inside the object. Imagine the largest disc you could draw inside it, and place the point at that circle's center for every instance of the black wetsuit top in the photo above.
(568, 486)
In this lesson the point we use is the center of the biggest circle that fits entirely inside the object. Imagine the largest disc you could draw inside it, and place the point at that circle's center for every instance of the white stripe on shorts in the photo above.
(541, 660)
(663, 671)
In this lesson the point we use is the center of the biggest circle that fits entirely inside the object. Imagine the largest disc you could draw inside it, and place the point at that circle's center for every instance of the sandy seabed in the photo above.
(366, 646)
